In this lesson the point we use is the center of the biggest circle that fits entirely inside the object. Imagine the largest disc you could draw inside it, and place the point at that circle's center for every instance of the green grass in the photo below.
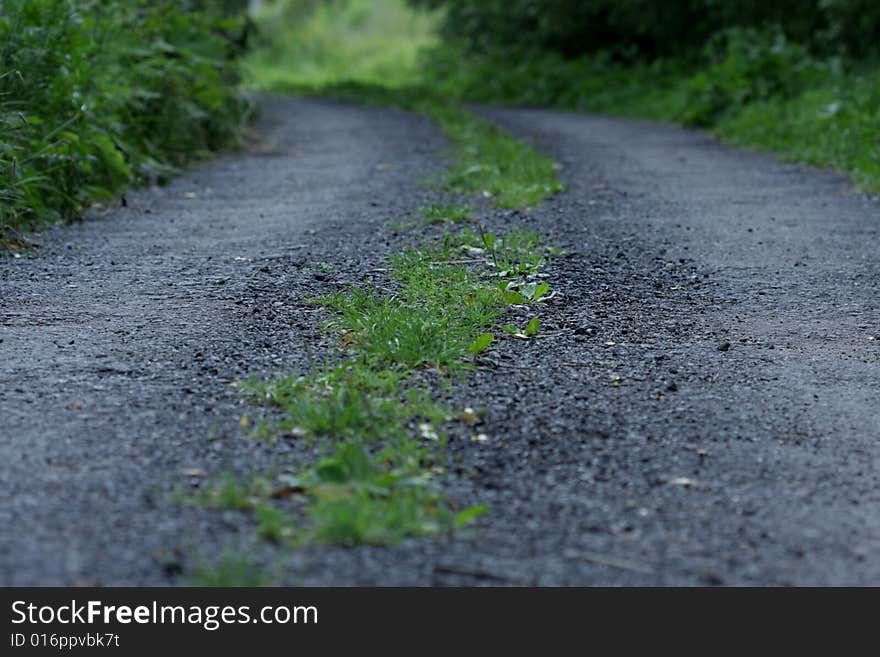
(835, 124)
(345, 401)
(431, 322)
(232, 569)
(491, 162)
(382, 434)
(370, 41)
(96, 96)
(230, 494)
(442, 213)
(756, 90)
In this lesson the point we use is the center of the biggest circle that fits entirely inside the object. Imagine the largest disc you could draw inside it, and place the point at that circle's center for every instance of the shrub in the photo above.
(98, 95)
(655, 28)
(746, 66)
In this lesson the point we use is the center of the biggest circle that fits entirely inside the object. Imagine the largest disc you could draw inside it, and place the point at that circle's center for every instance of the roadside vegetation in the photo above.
(96, 96)
(796, 78)
(315, 42)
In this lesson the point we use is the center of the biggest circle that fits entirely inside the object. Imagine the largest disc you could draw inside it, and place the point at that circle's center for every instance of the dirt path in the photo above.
(705, 407)
(121, 336)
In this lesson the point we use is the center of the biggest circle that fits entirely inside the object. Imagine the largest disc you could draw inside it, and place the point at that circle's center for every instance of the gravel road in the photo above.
(704, 407)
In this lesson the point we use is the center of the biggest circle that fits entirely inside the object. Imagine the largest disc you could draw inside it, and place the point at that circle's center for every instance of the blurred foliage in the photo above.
(316, 42)
(793, 76)
(653, 28)
(744, 66)
(97, 94)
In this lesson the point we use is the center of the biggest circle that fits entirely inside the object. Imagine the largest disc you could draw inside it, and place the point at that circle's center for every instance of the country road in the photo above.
(705, 408)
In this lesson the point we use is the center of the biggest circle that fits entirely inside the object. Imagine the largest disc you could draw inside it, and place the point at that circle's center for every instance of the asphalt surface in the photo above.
(703, 407)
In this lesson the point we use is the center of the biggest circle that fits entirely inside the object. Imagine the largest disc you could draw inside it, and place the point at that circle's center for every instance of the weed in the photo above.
(357, 500)
(272, 524)
(346, 401)
(230, 494)
(437, 213)
(233, 569)
(386, 516)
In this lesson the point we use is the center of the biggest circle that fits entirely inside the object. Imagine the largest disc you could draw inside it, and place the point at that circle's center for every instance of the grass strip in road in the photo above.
(487, 160)
(381, 432)
(367, 52)
(379, 429)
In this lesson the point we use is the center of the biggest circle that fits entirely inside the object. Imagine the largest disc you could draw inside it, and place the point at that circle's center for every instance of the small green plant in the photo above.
(481, 343)
(357, 500)
(230, 493)
(437, 213)
(385, 516)
(272, 524)
(532, 327)
(432, 321)
(530, 331)
(346, 401)
(493, 163)
(232, 569)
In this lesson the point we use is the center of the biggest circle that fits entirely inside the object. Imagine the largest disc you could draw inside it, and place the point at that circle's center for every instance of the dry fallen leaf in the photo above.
(286, 491)
(468, 416)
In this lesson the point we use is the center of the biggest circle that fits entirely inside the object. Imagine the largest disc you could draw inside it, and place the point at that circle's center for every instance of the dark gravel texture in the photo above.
(703, 406)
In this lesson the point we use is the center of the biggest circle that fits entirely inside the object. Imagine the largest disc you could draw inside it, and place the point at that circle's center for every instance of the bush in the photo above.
(98, 95)
(746, 66)
(655, 28)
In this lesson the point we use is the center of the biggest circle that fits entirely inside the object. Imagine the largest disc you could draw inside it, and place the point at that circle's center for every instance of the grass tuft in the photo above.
(439, 213)
(377, 480)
